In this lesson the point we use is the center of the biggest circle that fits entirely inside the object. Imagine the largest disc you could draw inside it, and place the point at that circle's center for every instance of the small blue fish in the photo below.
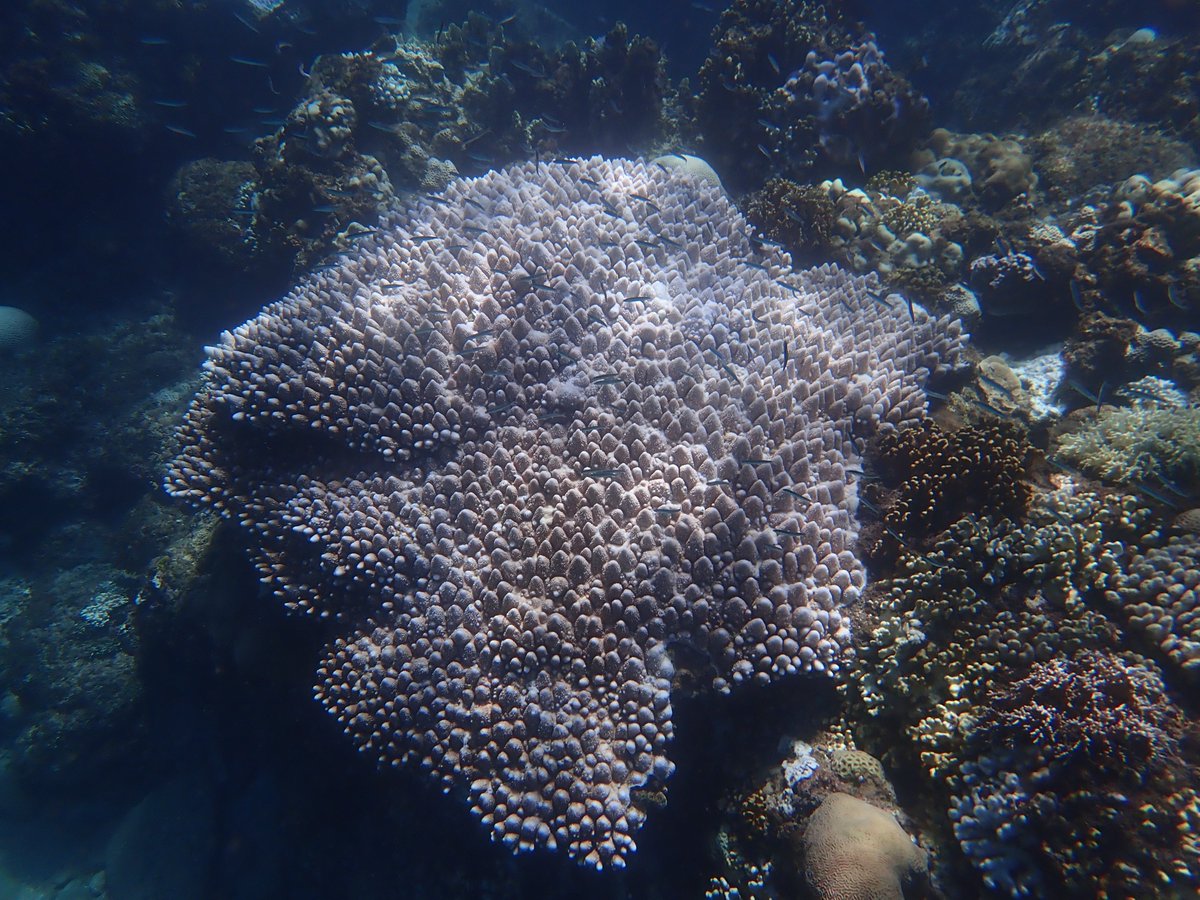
(1162, 498)
(879, 298)
(1077, 296)
(600, 473)
(151, 41)
(650, 203)
(774, 63)
(1079, 388)
(171, 104)
(528, 69)
(253, 63)
(250, 25)
(180, 130)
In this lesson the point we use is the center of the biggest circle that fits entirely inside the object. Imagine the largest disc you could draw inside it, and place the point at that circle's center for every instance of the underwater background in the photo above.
(624, 450)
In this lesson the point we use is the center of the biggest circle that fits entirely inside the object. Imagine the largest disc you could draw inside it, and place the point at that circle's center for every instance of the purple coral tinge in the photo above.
(532, 438)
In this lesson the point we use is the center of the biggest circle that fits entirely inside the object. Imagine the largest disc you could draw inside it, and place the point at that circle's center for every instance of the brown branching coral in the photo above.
(799, 216)
(938, 476)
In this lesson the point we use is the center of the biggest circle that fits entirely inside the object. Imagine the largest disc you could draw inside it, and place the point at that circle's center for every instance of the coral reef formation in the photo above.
(1081, 152)
(1141, 246)
(792, 87)
(212, 207)
(409, 115)
(1010, 630)
(799, 216)
(859, 106)
(1157, 593)
(855, 850)
(529, 440)
(876, 230)
(1021, 816)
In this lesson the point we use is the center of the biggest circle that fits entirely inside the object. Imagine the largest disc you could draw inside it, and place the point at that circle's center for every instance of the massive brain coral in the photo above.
(528, 442)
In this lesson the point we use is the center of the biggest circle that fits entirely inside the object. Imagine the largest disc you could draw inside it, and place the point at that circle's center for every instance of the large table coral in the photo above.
(539, 441)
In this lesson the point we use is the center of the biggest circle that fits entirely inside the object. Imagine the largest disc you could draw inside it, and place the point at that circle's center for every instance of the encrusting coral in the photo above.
(529, 439)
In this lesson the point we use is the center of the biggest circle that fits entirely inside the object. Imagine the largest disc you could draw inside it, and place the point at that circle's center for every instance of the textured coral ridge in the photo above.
(531, 438)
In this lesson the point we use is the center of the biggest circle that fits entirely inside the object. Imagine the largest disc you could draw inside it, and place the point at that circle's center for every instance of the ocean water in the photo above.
(536, 450)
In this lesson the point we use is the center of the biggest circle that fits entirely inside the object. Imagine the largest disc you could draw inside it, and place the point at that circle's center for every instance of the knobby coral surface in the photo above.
(532, 437)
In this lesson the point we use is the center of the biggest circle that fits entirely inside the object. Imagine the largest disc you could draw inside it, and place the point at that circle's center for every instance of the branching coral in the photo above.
(1130, 444)
(939, 476)
(1092, 709)
(799, 216)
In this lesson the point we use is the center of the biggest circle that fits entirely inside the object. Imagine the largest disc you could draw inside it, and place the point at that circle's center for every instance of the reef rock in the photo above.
(531, 439)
